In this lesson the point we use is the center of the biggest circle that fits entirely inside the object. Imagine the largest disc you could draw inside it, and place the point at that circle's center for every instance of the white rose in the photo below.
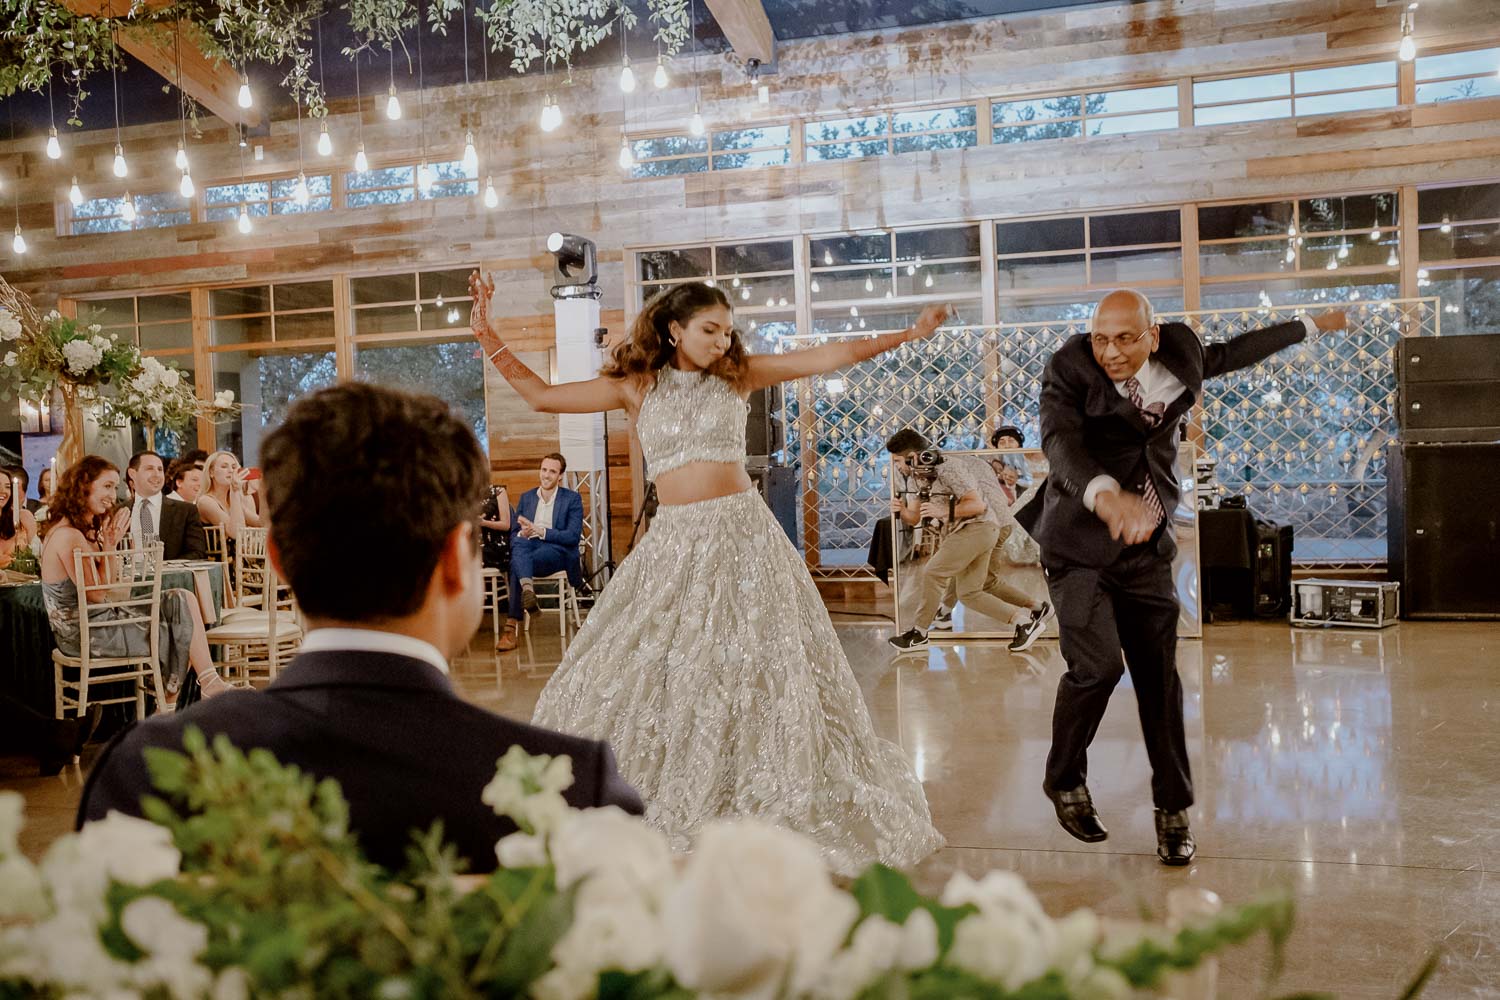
(624, 936)
(65, 950)
(158, 929)
(21, 892)
(753, 912)
(521, 850)
(878, 947)
(169, 377)
(607, 845)
(11, 360)
(1077, 935)
(52, 316)
(12, 819)
(153, 410)
(528, 789)
(1011, 939)
(81, 356)
(224, 398)
(78, 867)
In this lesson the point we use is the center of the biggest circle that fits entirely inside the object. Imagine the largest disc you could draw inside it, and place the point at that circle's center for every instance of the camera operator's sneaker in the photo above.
(943, 622)
(909, 640)
(1028, 632)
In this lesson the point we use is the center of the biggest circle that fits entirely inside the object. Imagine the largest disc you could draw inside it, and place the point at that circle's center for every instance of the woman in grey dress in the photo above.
(84, 519)
(709, 663)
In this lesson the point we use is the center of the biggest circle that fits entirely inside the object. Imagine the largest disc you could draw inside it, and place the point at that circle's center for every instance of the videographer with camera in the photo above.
(964, 491)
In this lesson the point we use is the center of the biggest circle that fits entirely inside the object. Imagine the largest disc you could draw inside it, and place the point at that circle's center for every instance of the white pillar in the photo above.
(578, 359)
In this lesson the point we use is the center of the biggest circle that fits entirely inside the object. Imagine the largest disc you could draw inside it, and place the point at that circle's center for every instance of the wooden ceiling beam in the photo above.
(746, 26)
(213, 85)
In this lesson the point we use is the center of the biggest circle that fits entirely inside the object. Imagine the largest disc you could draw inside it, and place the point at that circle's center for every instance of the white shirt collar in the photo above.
(174, 495)
(155, 498)
(542, 496)
(368, 640)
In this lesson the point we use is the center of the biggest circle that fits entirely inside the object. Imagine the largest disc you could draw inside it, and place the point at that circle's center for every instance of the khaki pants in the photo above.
(970, 563)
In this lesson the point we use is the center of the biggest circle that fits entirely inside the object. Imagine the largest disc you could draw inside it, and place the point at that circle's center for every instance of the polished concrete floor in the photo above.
(1358, 769)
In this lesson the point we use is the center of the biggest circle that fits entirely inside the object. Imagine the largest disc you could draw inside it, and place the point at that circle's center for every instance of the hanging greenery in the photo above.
(44, 40)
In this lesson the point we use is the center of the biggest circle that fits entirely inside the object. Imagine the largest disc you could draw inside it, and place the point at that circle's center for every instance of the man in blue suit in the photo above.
(544, 540)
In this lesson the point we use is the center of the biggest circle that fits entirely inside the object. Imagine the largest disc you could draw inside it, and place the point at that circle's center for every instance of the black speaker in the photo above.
(763, 438)
(1443, 528)
(1273, 569)
(778, 485)
(1450, 388)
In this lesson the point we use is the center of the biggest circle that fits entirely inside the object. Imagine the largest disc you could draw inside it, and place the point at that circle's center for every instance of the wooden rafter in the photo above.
(746, 26)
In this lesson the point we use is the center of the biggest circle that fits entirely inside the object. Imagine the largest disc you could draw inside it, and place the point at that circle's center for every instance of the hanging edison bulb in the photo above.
(19, 243)
(75, 195)
(185, 186)
(180, 159)
(127, 208)
(121, 168)
(300, 194)
(627, 158)
(54, 148)
(695, 123)
(660, 78)
(361, 161)
(392, 105)
(325, 141)
(471, 155)
(491, 199)
(245, 99)
(244, 219)
(424, 177)
(627, 76)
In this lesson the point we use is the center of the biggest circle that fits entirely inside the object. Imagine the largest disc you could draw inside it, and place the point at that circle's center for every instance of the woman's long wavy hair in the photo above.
(71, 499)
(650, 347)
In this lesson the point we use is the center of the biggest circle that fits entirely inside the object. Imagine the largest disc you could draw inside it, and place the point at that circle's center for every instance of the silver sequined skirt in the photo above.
(710, 666)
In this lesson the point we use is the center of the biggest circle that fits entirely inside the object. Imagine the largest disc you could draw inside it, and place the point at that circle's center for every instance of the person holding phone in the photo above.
(228, 495)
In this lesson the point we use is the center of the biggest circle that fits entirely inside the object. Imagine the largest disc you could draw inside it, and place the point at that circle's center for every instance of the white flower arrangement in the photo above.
(232, 897)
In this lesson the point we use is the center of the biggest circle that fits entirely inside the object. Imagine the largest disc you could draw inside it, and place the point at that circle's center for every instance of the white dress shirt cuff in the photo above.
(541, 532)
(1313, 333)
(1097, 485)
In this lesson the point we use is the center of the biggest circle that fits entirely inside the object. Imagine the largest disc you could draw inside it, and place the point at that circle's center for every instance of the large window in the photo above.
(731, 149)
(266, 381)
(162, 327)
(891, 132)
(268, 197)
(451, 370)
(395, 185)
(410, 302)
(1068, 116)
(1458, 76)
(1052, 270)
(1322, 91)
(758, 278)
(876, 282)
(1459, 245)
(109, 215)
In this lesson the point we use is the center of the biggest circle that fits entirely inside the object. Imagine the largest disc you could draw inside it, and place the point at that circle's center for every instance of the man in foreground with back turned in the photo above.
(1112, 407)
(374, 500)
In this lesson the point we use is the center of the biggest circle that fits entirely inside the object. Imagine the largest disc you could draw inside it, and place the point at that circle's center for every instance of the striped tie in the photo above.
(1152, 416)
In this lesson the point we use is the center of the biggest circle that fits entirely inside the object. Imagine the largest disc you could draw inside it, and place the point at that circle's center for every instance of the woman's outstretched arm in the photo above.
(596, 395)
(771, 369)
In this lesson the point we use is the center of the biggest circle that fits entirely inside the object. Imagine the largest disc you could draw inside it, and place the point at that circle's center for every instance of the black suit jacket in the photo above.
(403, 745)
(181, 531)
(1089, 430)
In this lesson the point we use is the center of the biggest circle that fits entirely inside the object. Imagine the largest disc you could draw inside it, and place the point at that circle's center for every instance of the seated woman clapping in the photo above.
(228, 498)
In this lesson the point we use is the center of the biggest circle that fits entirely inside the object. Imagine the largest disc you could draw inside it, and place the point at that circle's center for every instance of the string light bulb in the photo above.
(127, 208)
(19, 243)
(660, 78)
(627, 158)
(361, 161)
(245, 99)
(54, 148)
(1343, 251)
(181, 159)
(1291, 255)
(927, 281)
(325, 141)
(393, 105)
(869, 284)
(121, 168)
(471, 155)
(74, 194)
(1393, 260)
(491, 199)
(243, 223)
(1407, 50)
(627, 76)
(424, 177)
(185, 188)
(1447, 226)
(300, 193)
(1375, 230)
(695, 123)
(815, 287)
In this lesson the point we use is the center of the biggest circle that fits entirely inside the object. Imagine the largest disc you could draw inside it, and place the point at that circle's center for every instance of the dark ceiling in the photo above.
(145, 97)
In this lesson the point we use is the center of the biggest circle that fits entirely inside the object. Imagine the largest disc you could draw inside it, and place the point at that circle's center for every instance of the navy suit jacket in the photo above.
(567, 519)
(405, 748)
(1089, 430)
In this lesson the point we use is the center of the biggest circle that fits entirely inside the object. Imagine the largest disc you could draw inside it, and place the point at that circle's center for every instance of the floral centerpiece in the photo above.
(160, 394)
(247, 882)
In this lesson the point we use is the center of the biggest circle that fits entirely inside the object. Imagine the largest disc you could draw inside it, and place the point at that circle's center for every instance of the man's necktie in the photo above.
(148, 523)
(1152, 415)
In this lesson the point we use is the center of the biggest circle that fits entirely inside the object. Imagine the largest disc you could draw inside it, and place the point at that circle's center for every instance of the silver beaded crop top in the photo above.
(691, 417)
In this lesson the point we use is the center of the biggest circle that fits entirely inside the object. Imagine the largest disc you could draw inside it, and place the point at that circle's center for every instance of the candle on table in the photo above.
(15, 503)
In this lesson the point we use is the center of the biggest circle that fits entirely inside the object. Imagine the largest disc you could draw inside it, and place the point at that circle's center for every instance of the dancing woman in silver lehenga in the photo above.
(711, 667)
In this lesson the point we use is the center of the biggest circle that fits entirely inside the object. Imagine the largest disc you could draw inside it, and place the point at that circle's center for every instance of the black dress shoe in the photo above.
(1174, 841)
(1075, 811)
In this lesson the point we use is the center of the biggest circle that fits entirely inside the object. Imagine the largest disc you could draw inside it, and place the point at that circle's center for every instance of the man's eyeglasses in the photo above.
(1120, 342)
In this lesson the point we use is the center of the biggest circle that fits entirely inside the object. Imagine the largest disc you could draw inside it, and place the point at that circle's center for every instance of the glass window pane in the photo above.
(304, 326)
(1127, 267)
(767, 329)
(934, 279)
(1257, 257)
(1229, 113)
(233, 194)
(750, 257)
(1475, 62)
(81, 227)
(166, 336)
(1471, 298)
(1376, 74)
(1466, 203)
(668, 145)
(938, 140)
(266, 383)
(848, 150)
(686, 262)
(1037, 133)
(1305, 290)
(1359, 100)
(390, 196)
(387, 319)
(1139, 99)
(845, 128)
(860, 284)
(935, 244)
(756, 158)
(868, 249)
(452, 371)
(448, 316)
(453, 189)
(1042, 272)
(449, 283)
(109, 312)
(670, 168)
(751, 138)
(160, 308)
(1125, 124)
(874, 319)
(304, 295)
(158, 220)
(1222, 222)
(1244, 88)
(1135, 229)
(1358, 212)
(1066, 308)
(380, 177)
(1036, 235)
(933, 119)
(248, 330)
(383, 288)
(768, 292)
(1459, 90)
(229, 213)
(1035, 110)
(95, 207)
(234, 301)
(1461, 242)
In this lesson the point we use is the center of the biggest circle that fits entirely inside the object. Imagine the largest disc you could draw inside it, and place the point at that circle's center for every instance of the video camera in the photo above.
(924, 466)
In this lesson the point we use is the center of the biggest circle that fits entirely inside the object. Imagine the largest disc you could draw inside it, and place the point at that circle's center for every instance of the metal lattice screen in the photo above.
(1301, 434)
